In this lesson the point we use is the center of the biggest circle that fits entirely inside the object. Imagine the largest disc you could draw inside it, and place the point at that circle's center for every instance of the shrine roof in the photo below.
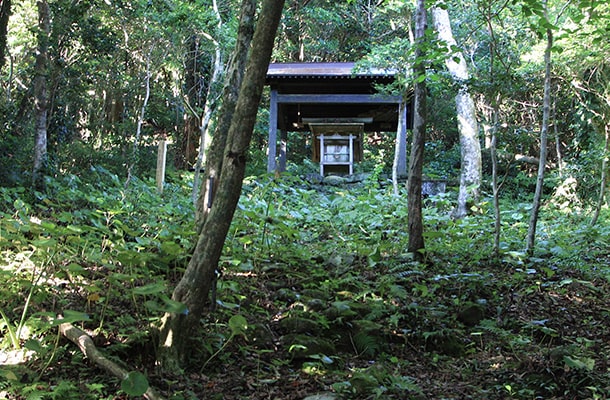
(337, 91)
(322, 70)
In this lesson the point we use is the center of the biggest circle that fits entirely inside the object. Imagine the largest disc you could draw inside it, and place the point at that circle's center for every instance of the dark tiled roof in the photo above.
(322, 70)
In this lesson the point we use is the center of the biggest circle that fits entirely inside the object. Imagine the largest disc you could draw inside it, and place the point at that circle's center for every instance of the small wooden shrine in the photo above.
(338, 105)
(336, 146)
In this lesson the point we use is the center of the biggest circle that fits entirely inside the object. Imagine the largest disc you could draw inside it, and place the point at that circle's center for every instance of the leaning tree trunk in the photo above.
(194, 287)
(233, 79)
(40, 90)
(546, 113)
(416, 160)
(470, 177)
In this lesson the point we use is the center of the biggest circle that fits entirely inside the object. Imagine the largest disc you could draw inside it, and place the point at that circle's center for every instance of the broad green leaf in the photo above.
(238, 325)
(8, 374)
(34, 345)
(75, 268)
(135, 384)
(45, 243)
(152, 288)
(172, 306)
(578, 363)
(71, 316)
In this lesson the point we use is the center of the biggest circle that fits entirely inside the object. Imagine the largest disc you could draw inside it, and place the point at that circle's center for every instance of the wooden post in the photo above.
(351, 154)
(161, 156)
(272, 131)
(322, 155)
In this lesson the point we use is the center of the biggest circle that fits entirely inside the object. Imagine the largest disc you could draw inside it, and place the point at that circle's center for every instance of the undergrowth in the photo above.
(316, 293)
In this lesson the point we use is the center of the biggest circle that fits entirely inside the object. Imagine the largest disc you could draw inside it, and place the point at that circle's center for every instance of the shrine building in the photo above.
(338, 105)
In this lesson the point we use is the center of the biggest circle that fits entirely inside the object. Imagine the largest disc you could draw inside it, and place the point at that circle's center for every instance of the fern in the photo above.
(365, 344)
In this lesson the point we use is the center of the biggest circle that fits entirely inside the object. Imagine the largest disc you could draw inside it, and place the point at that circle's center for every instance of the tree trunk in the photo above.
(40, 92)
(188, 138)
(470, 177)
(233, 79)
(603, 177)
(416, 160)
(5, 12)
(399, 148)
(194, 287)
(208, 109)
(140, 123)
(494, 178)
(546, 113)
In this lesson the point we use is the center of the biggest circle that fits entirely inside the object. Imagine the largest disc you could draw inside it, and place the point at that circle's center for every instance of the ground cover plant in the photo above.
(316, 295)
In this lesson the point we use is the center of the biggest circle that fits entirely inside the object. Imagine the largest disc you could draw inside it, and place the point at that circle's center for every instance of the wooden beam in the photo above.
(337, 98)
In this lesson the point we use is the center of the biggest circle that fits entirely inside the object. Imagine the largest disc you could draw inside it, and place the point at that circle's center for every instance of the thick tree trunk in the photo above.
(233, 80)
(415, 220)
(470, 178)
(546, 113)
(194, 287)
(40, 92)
(5, 12)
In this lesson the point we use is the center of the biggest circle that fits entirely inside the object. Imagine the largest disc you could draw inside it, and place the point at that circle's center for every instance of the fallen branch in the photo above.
(87, 347)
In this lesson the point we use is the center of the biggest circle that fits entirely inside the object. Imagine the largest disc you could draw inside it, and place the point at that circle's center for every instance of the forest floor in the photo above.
(318, 300)
(486, 333)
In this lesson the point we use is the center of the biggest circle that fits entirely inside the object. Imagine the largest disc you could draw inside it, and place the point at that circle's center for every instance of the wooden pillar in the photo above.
(283, 150)
(322, 154)
(401, 137)
(272, 151)
(351, 154)
(161, 158)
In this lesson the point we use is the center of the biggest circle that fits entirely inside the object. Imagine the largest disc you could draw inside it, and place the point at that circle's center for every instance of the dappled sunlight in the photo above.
(15, 357)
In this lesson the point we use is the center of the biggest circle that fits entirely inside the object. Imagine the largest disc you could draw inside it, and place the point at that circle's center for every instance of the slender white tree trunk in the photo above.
(470, 178)
(604, 176)
(400, 149)
(136, 141)
(494, 178)
(41, 101)
(209, 108)
(546, 114)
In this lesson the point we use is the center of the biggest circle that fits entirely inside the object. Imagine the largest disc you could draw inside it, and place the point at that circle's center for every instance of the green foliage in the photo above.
(80, 251)
(135, 384)
(315, 280)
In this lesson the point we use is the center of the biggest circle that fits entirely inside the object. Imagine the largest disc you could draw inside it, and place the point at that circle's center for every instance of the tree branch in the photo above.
(87, 347)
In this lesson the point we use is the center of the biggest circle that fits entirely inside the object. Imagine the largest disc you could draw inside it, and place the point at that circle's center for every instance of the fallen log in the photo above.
(87, 347)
